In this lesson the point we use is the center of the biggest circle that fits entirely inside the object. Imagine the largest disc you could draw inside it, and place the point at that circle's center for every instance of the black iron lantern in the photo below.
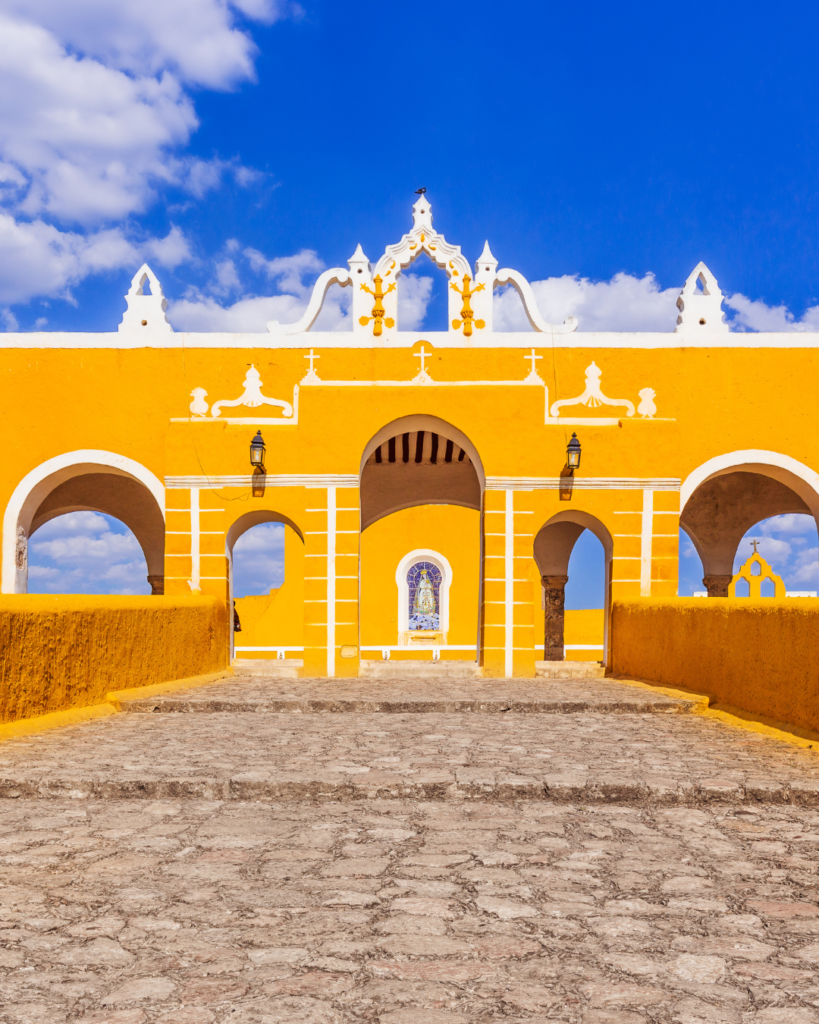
(573, 453)
(257, 450)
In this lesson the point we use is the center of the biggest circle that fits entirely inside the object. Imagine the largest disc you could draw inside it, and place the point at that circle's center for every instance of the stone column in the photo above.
(717, 586)
(554, 594)
(157, 585)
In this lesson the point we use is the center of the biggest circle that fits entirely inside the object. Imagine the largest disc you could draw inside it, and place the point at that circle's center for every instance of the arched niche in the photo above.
(89, 480)
(726, 496)
(419, 460)
(553, 547)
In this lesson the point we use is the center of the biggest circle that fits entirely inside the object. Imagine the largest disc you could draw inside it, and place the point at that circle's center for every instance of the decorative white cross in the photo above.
(311, 357)
(422, 355)
(533, 357)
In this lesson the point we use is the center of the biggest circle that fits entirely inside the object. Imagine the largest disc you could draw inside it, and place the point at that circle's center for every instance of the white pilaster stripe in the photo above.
(331, 581)
(196, 563)
(645, 542)
(509, 575)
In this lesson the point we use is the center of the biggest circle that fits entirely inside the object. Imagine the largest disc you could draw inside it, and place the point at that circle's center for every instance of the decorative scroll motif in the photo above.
(377, 316)
(466, 312)
(252, 397)
(755, 580)
(593, 396)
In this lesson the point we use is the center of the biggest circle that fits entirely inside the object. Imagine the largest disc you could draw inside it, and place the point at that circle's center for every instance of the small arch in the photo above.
(83, 480)
(553, 546)
(276, 629)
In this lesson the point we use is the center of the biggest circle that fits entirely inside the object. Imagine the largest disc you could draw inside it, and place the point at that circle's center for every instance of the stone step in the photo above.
(569, 670)
(377, 668)
(428, 695)
(268, 668)
(495, 787)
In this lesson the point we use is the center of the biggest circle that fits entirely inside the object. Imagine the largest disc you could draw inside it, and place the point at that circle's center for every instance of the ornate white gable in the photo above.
(375, 290)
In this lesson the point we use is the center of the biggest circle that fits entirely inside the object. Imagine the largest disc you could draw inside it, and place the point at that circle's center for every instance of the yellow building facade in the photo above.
(421, 476)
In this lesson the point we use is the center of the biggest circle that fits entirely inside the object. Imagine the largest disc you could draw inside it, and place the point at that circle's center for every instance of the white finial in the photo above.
(701, 310)
(486, 262)
(422, 213)
(145, 312)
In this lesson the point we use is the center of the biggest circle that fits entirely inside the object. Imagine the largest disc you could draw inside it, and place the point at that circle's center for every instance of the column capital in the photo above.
(717, 586)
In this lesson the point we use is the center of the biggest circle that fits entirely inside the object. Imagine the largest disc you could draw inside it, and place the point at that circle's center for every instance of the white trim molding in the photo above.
(271, 480)
(591, 483)
(35, 486)
(437, 559)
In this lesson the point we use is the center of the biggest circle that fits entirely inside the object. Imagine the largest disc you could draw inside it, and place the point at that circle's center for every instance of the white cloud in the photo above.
(625, 303)
(755, 315)
(258, 560)
(414, 293)
(197, 39)
(171, 250)
(94, 118)
(288, 271)
(86, 553)
(201, 310)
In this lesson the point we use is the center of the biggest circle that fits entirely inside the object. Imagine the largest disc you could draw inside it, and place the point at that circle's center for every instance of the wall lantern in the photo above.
(567, 473)
(573, 453)
(257, 450)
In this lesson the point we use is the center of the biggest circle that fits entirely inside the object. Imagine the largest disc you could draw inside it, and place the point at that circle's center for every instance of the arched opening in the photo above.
(265, 553)
(421, 487)
(85, 481)
(423, 300)
(726, 498)
(575, 619)
(86, 553)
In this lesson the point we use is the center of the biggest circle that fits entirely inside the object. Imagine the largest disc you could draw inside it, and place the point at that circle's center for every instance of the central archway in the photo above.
(422, 484)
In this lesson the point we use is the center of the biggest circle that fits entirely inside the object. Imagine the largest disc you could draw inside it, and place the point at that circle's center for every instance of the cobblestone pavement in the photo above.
(665, 873)
(400, 912)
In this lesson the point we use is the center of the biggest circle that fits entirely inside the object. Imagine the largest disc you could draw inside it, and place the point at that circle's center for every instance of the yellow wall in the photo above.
(760, 656)
(584, 626)
(68, 652)
(276, 619)
(450, 530)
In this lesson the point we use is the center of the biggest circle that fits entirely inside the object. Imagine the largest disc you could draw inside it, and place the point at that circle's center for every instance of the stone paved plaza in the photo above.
(597, 854)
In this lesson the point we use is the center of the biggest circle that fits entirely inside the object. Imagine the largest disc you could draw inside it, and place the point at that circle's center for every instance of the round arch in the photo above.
(256, 518)
(30, 506)
(725, 496)
(794, 474)
(553, 547)
(435, 425)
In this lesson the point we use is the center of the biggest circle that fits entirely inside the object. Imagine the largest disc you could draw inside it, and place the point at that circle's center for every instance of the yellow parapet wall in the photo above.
(760, 656)
(66, 651)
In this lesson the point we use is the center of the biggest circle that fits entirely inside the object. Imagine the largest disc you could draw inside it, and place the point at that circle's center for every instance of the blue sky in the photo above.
(241, 146)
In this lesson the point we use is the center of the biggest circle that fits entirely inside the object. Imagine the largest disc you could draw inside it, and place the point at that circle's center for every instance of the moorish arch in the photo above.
(726, 496)
(88, 480)
(553, 547)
